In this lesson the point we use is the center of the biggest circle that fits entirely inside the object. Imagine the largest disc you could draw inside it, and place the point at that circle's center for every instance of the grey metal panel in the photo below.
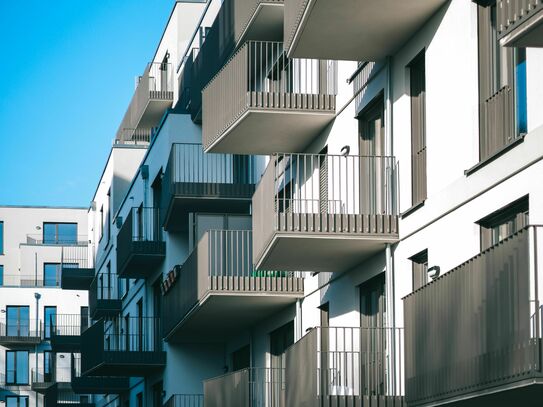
(231, 390)
(301, 366)
(469, 330)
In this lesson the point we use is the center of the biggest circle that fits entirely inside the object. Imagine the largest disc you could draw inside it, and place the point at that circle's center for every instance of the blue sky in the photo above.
(67, 74)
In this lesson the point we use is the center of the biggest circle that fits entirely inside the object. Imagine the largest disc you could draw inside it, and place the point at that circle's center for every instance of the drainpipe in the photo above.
(37, 296)
(298, 327)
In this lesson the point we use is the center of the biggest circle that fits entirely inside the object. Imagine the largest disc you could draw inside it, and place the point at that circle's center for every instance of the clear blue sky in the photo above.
(67, 70)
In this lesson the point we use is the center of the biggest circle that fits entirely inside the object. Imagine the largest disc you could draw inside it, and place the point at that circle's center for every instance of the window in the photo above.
(417, 73)
(420, 269)
(18, 320)
(502, 87)
(139, 400)
(17, 367)
(59, 233)
(504, 222)
(1, 275)
(51, 274)
(101, 222)
(48, 365)
(280, 340)
(241, 358)
(17, 401)
(1, 237)
(50, 316)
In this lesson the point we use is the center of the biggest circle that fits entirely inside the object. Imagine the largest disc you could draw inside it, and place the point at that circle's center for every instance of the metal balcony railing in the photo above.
(80, 256)
(69, 324)
(12, 379)
(185, 400)
(104, 295)
(135, 136)
(53, 374)
(251, 387)
(132, 334)
(222, 262)
(141, 225)
(330, 363)
(21, 330)
(511, 13)
(260, 76)
(30, 280)
(484, 331)
(60, 240)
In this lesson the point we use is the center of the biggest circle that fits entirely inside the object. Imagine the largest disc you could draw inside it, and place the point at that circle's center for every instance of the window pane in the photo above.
(18, 321)
(10, 367)
(49, 233)
(50, 272)
(50, 320)
(67, 233)
(22, 367)
(1, 237)
(1, 275)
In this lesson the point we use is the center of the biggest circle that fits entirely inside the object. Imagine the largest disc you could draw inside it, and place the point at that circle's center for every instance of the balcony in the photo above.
(70, 399)
(198, 182)
(253, 387)
(261, 101)
(481, 343)
(140, 247)
(218, 293)
(520, 23)
(96, 384)
(20, 333)
(104, 298)
(153, 95)
(127, 346)
(66, 332)
(185, 400)
(77, 267)
(324, 213)
(346, 366)
(325, 29)
(43, 381)
(8, 383)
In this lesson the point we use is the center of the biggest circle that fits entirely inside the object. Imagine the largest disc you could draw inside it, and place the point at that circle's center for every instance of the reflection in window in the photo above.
(16, 401)
(17, 367)
(18, 321)
(60, 233)
(50, 315)
(51, 274)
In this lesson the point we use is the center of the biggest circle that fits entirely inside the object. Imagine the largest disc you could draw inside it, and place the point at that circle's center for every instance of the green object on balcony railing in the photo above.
(264, 273)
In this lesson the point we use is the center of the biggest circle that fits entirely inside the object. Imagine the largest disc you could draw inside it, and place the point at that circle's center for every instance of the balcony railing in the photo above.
(139, 243)
(95, 384)
(483, 333)
(520, 22)
(185, 400)
(8, 381)
(60, 240)
(330, 366)
(326, 195)
(195, 181)
(141, 136)
(222, 264)
(122, 346)
(42, 378)
(30, 280)
(104, 296)
(252, 387)
(259, 78)
(77, 267)
(21, 332)
(154, 87)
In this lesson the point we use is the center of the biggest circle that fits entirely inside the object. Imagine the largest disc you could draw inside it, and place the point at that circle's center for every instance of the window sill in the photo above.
(412, 209)
(494, 156)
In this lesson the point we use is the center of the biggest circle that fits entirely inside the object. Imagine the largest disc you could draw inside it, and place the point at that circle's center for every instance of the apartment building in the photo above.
(324, 203)
(36, 245)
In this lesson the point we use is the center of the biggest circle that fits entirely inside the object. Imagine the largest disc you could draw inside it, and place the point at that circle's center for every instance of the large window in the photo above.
(59, 233)
(18, 320)
(1, 275)
(1, 237)
(51, 274)
(17, 367)
(50, 315)
(17, 401)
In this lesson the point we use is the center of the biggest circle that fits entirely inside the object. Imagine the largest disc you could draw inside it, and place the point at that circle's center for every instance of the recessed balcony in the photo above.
(198, 182)
(140, 247)
(104, 298)
(252, 387)
(346, 367)
(324, 213)
(153, 95)
(261, 101)
(66, 332)
(481, 343)
(96, 384)
(20, 333)
(520, 23)
(217, 293)
(327, 29)
(123, 346)
(77, 267)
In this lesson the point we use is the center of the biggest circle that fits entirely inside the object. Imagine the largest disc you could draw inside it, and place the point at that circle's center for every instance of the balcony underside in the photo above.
(361, 401)
(76, 278)
(74, 404)
(156, 106)
(100, 385)
(106, 308)
(528, 32)
(266, 131)
(66, 343)
(525, 393)
(19, 341)
(143, 258)
(326, 29)
(128, 364)
(266, 24)
(224, 314)
(43, 387)
(205, 197)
